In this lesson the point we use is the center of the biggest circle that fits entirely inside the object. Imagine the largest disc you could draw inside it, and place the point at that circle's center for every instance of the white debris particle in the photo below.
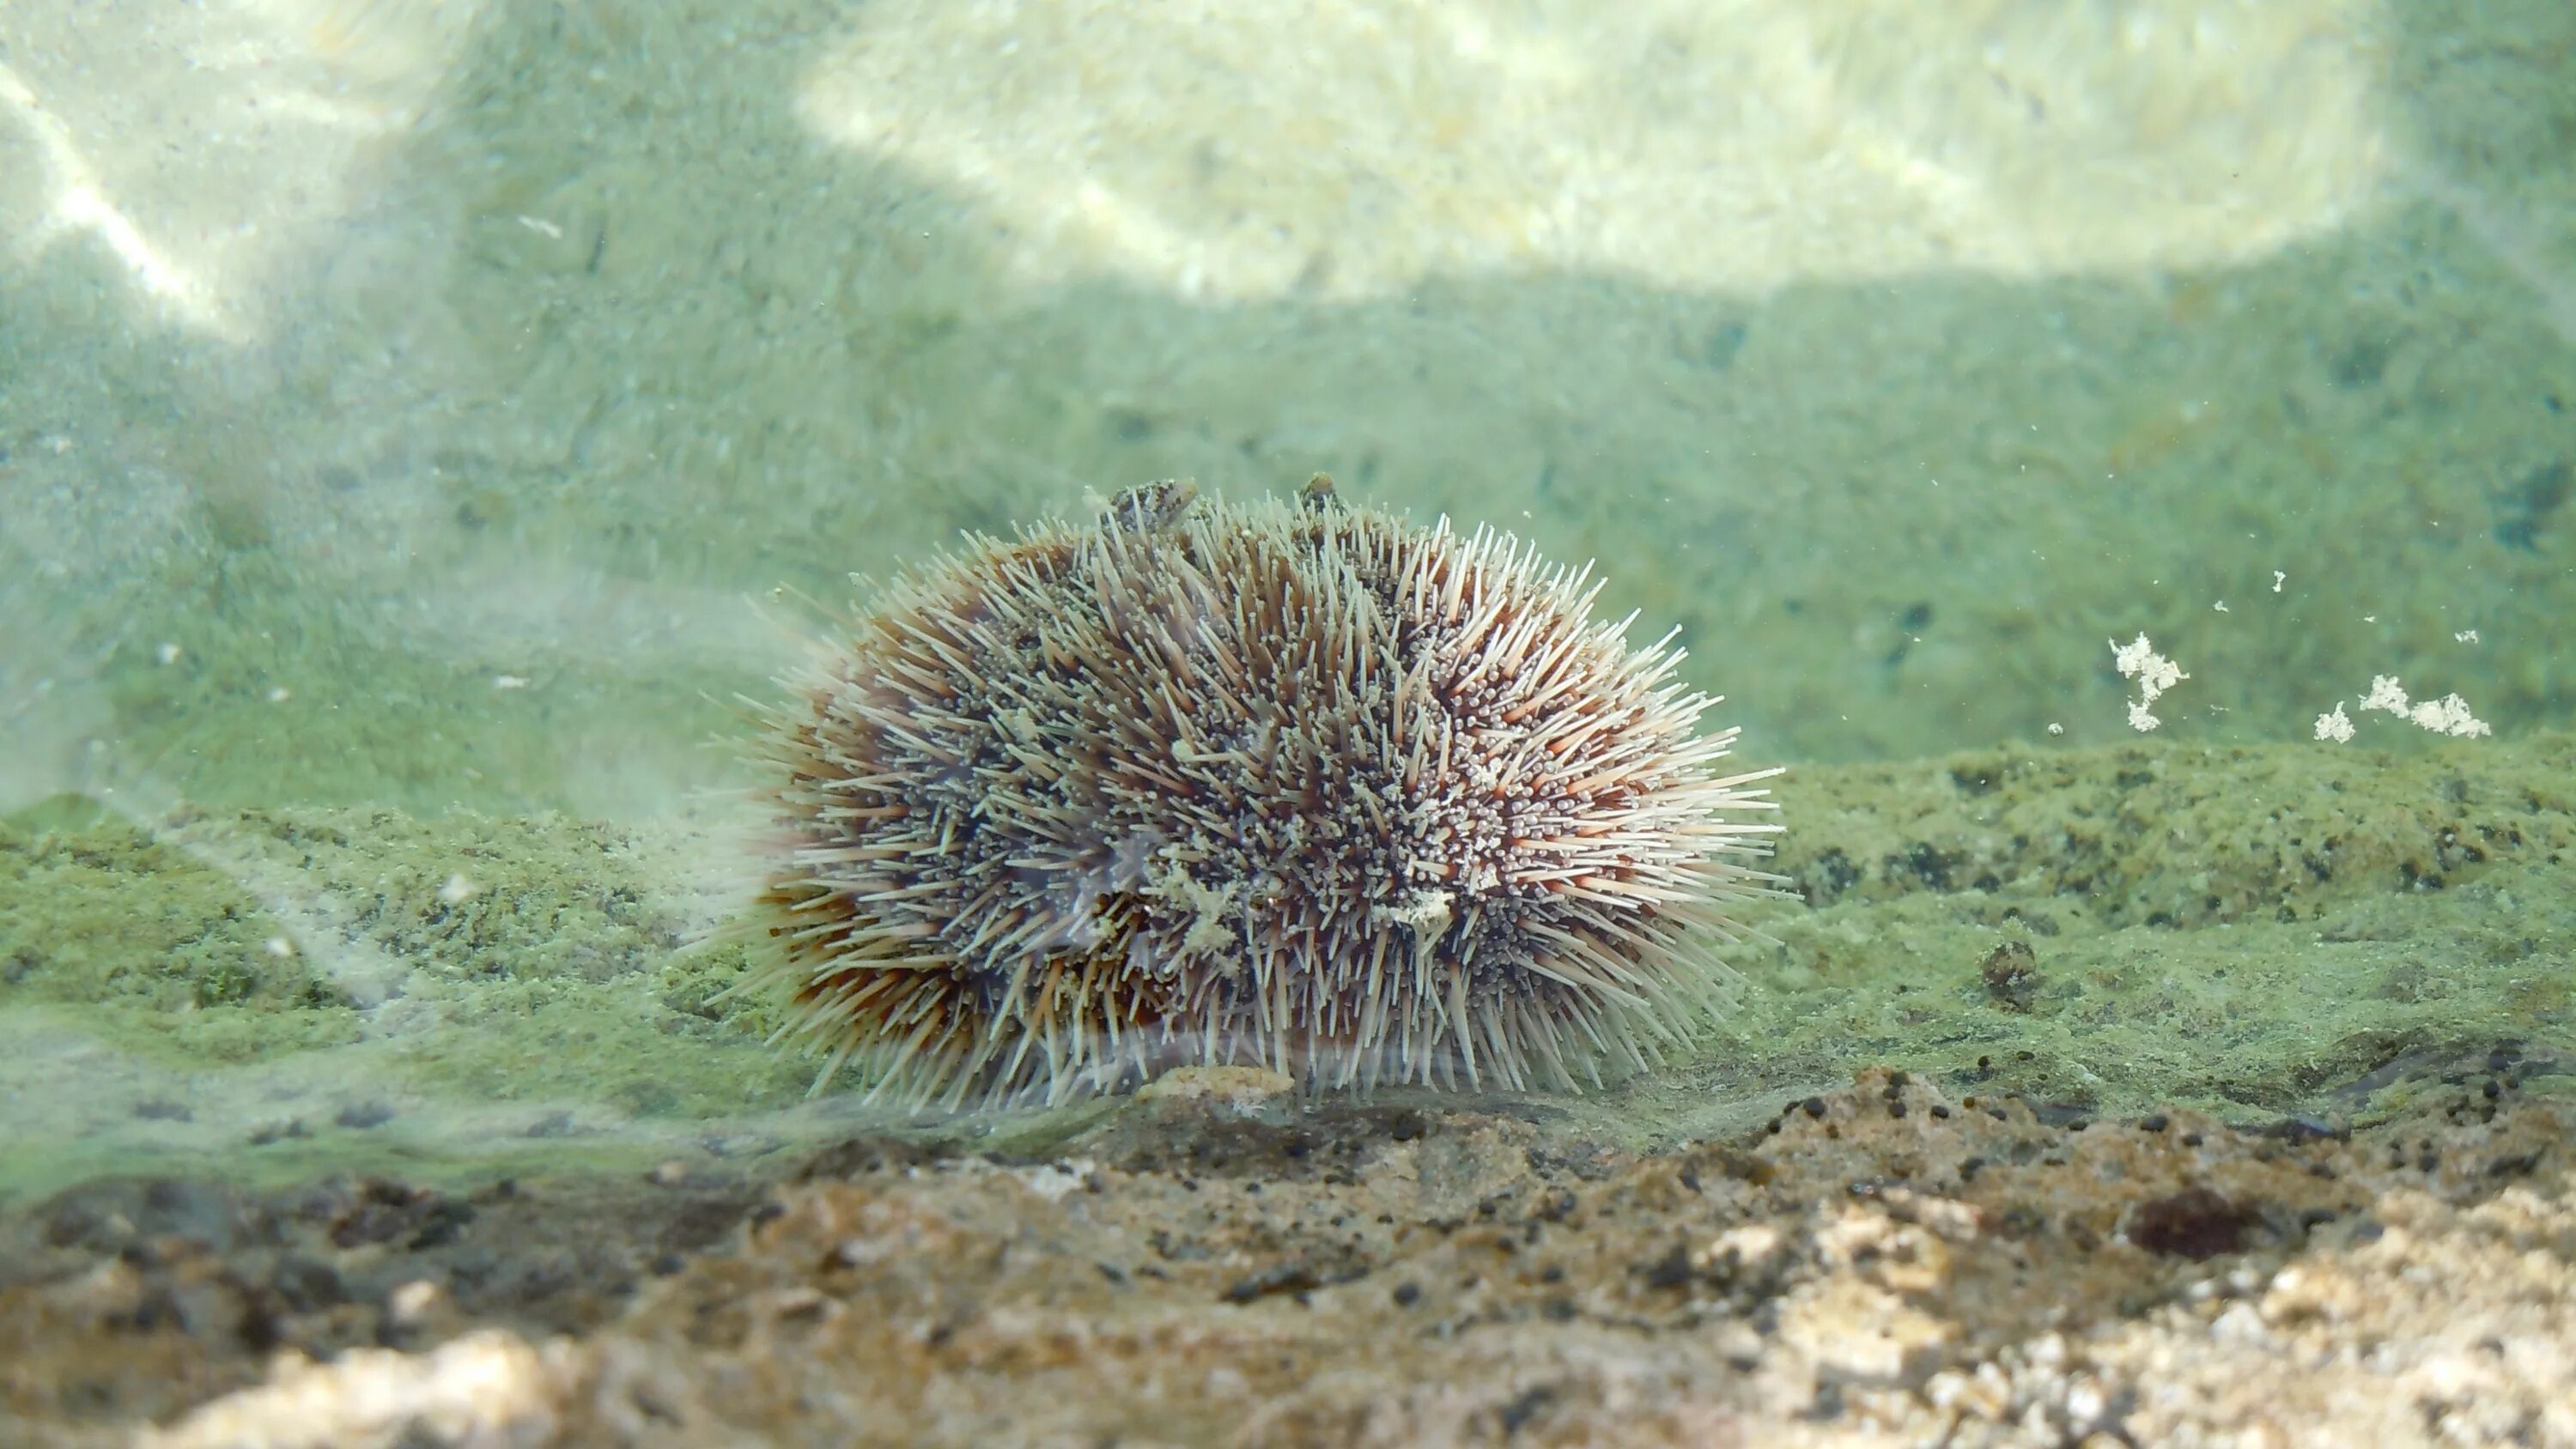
(280, 695)
(459, 889)
(413, 1301)
(2465, 636)
(2155, 674)
(280, 947)
(167, 653)
(2336, 726)
(2220, 606)
(2139, 660)
(509, 681)
(2278, 578)
(2055, 728)
(2448, 715)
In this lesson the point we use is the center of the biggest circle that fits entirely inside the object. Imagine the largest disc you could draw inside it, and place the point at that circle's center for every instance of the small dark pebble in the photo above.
(1283, 1278)
(364, 1116)
(2011, 975)
(2156, 1123)
(1672, 1270)
(1813, 1106)
(1940, 1111)
(1407, 1294)
(2196, 1223)
(1896, 1109)
(1517, 1414)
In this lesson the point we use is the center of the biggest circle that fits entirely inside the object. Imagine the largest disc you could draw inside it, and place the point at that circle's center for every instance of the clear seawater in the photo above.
(421, 423)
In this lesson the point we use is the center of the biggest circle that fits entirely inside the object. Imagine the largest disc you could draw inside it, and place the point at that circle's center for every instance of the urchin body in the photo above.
(1296, 785)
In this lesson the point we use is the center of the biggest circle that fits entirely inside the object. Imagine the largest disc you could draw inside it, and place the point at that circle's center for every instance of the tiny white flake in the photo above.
(509, 681)
(459, 889)
(2055, 728)
(2155, 674)
(2220, 606)
(280, 695)
(2336, 726)
(280, 947)
(167, 654)
(2465, 636)
(2278, 578)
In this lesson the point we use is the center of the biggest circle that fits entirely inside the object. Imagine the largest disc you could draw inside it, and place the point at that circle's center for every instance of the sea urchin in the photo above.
(1291, 784)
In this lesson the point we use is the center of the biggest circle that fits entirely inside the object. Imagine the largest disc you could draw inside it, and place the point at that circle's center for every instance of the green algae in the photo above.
(2249, 932)
(488, 988)
(2305, 930)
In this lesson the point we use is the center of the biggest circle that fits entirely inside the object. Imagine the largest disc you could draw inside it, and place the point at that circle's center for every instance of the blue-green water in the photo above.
(419, 423)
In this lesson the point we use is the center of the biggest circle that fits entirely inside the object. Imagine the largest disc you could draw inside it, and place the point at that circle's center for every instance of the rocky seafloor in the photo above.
(1882, 1265)
(2149, 1095)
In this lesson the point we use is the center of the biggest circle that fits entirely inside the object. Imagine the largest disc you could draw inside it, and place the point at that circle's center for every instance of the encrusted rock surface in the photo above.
(1212, 1264)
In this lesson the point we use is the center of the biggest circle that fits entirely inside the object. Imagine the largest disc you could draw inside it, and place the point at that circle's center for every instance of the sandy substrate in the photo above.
(1880, 1265)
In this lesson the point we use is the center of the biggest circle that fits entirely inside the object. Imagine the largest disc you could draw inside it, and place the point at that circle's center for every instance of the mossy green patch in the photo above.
(108, 917)
(498, 982)
(2102, 932)
(2251, 932)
